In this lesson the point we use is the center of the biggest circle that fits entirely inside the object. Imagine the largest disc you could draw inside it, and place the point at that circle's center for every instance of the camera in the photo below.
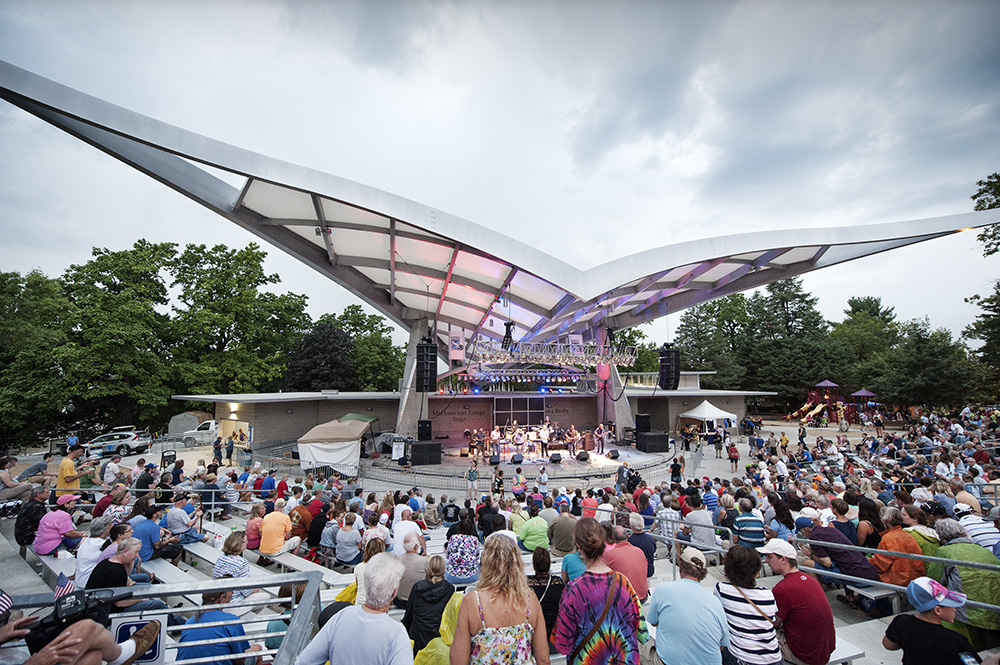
(67, 610)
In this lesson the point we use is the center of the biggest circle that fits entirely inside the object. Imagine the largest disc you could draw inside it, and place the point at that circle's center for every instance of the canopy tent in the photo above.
(827, 384)
(336, 444)
(707, 411)
(863, 393)
(373, 422)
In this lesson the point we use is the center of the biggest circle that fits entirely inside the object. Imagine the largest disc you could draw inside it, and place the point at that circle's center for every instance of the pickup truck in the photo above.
(206, 432)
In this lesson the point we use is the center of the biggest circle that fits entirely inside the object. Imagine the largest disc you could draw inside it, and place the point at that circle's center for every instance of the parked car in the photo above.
(121, 440)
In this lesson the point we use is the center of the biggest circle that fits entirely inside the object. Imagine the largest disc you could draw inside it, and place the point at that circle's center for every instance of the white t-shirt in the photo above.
(397, 513)
(603, 513)
(399, 533)
(111, 471)
(87, 557)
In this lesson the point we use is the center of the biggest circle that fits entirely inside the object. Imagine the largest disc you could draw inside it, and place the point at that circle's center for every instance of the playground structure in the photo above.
(824, 404)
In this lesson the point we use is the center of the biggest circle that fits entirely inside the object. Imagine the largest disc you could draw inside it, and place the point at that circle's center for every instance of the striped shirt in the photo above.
(711, 501)
(751, 635)
(233, 566)
(750, 530)
(983, 533)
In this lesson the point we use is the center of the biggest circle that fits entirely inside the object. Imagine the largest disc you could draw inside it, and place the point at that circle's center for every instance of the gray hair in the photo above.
(891, 516)
(129, 544)
(410, 543)
(99, 526)
(620, 535)
(382, 575)
(948, 529)
(823, 501)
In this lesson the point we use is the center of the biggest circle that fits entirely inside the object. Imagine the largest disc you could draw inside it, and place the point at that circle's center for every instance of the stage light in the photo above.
(465, 389)
(441, 390)
(475, 391)
(541, 389)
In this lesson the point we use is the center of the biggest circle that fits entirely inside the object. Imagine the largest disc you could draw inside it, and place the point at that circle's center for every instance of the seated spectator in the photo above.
(56, 530)
(232, 563)
(534, 532)
(114, 573)
(372, 548)
(833, 559)
(414, 568)
(449, 513)
(431, 515)
(156, 541)
(628, 560)
(83, 643)
(90, 550)
(983, 532)
(691, 621)
(376, 530)
(276, 535)
(748, 529)
(403, 528)
(562, 532)
(841, 522)
(978, 584)
(31, 513)
(698, 528)
(213, 497)
(462, 554)
(548, 589)
(750, 610)
(428, 598)
(182, 525)
(921, 636)
(11, 489)
(254, 521)
(301, 519)
(808, 634)
(782, 525)
(365, 634)
(38, 472)
(349, 542)
(897, 570)
(316, 524)
(501, 618)
(643, 541)
(915, 524)
(215, 632)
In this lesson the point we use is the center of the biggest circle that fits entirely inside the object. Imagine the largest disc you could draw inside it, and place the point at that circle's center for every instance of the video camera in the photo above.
(67, 610)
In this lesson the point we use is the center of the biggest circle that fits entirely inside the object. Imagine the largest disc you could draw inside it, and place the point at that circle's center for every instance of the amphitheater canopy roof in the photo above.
(415, 263)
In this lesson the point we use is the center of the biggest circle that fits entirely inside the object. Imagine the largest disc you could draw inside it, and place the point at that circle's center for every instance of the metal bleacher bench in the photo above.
(876, 593)
(331, 578)
(168, 573)
(845, 653)
(54, 565)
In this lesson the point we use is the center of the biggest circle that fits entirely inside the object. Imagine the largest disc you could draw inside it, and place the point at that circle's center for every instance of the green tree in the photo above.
(33, 333)
(789, 310)
(987, 197)
(868, 328)
(376, 362)
(321, 360)
(709, 337)
(232, 334)
(116, 360)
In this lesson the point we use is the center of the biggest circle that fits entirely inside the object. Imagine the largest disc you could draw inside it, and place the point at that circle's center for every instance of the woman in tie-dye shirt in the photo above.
(583, 601)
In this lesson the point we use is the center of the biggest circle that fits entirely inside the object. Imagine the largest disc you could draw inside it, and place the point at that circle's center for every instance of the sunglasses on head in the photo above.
(940, 592)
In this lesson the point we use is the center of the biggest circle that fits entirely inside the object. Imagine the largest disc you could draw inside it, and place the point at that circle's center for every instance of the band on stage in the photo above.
(532, 441)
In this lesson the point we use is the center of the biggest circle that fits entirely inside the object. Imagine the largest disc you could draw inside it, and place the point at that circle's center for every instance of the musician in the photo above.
(481, 441)
(495, 441)
(471, 436)
(572, 438)
(543, 437)
(599, 438)
(519, 440)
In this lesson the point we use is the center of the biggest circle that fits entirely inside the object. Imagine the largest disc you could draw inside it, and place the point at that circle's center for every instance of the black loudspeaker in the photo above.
(555, 458)
(424, 430)
(495, 460)
(642, 422)
(652, 442)
(670, 367)
(425, 453)
(582, 456)
(613, 454)
(426, 367)
(516, 459)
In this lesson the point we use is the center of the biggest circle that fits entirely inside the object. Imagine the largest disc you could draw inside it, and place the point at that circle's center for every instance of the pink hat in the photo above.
(66, 498)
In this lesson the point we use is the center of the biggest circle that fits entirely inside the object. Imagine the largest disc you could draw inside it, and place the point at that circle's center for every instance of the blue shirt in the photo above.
(692, 620)
(148, 532)
(266, 485)
(414, 505)
(213, 632)
(573, 565)
(711, 501)
(750, 530)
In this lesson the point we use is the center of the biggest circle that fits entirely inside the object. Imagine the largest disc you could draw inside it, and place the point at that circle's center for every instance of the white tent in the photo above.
(707, 411)
(336, 443)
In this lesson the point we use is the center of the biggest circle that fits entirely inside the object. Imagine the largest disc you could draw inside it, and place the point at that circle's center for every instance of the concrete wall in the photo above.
(289, 420)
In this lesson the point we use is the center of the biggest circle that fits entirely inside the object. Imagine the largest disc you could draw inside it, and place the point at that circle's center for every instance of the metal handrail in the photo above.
(900, 555)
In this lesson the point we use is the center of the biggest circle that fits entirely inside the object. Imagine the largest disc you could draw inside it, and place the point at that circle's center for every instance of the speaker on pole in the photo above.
(642, 422)
(426, 366)
(670, 367)
(424, 430)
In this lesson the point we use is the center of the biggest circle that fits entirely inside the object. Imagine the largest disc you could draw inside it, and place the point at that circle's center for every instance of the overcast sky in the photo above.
(590, 129)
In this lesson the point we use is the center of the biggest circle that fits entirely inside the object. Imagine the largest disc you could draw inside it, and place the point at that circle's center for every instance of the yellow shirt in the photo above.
(273, 530)
(66, 470)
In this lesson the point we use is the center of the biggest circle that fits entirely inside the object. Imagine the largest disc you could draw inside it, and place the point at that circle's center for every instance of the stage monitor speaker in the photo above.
(653, 442)
(582, 456)
(426, 367)
(613, 454)
(495, 460)
(555, 458)
(670, 367)
(425, 453)
(642, 422)
(424, 430)
(517, 459)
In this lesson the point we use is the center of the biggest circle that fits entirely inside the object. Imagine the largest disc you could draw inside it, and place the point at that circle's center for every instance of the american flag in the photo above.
(5, 602)
(63, 586)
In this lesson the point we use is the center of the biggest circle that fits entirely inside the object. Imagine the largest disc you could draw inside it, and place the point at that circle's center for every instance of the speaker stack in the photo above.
(670, 367)
(424, 430)
(426, 367)
(642, 422)
(425, 453)
(653, 442)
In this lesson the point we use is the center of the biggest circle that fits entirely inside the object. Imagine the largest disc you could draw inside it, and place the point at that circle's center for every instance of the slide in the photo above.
(804, 408)
(815, 412)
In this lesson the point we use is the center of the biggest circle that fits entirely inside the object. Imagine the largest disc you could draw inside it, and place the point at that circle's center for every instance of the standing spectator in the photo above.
(32, 511)
(643, 541)
(230, 445)
(56, 529)
(68, 477)
(750, 611)
(921, 636)
(232, 563)
(428, 598)
(231, 628)
(498, 483)
(39, 471)
(217, 450)
(691, 620)
(897, 570)
(600, 603)
(472, 480)
(500, 620)
(276, 535)
(364, 633)
(10, 489)
(808, 636)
